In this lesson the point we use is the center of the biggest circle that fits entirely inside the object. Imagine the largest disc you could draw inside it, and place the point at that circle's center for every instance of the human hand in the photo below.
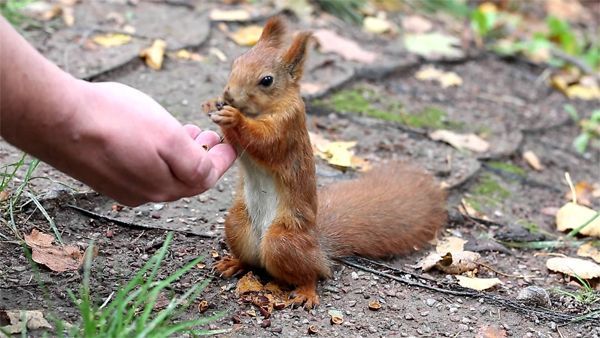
(125, 145)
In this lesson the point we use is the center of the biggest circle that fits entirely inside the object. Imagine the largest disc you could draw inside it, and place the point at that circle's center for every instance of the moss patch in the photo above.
(367, 102)
(487, 192)
(507, 167)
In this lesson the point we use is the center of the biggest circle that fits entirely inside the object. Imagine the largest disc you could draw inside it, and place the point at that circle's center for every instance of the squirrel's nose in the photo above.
(227, 96)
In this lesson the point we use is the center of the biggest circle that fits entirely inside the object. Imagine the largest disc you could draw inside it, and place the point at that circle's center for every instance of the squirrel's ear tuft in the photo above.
(295, 56)
(274, 32)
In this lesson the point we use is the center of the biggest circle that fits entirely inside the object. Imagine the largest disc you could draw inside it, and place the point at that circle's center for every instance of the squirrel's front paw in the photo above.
(212, 105)
(226, 117)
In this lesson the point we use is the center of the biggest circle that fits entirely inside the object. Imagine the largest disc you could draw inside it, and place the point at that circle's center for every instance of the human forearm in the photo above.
(36, 97)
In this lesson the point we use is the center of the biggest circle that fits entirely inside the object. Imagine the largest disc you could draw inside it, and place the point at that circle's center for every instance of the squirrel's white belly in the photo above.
(261, 197)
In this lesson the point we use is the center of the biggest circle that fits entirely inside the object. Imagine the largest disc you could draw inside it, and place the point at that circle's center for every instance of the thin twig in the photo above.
(134, 225)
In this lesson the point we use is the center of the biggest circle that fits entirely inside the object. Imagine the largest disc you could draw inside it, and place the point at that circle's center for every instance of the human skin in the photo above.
(112, 137)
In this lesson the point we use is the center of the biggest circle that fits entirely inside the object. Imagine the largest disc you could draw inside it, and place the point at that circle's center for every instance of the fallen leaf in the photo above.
(229, 15)
(487, 331)
(446, 79)
(4, 194)
(374, 305)
(585, 88)
(338, 154)
(56, 258)
(416, 24)
(218, 53)
(450, 244)
(301, 8)
(248, 283)
(377, 25)
(452, 263)
(433, 45)
(330, 42)
(575, 267)
(591, 249)
(68, 15)
(247, 36)
(155, 54)
(531, 158)
(461, 141)
(584, 192)
(41, 10)
(33, 320)
(336, 317)
(572, 215)
(478, 284)
(185, 54)
(111, 39)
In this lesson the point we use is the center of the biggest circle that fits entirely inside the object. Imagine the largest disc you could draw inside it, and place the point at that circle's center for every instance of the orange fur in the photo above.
(277, 222)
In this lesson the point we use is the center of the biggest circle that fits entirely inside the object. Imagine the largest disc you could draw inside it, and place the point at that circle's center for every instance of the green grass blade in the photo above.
(46, 215)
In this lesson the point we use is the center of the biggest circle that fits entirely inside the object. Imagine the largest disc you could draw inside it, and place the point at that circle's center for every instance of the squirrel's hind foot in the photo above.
(229, 266)
(307, 295)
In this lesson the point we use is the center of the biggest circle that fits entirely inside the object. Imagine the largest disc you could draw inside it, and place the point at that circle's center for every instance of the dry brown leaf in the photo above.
(4, 194)
(487, 331)
(461, 141)
(155, 54)
(338, 154)
(446, 79)
(331, 42)
(450, 244)
(584, 192)
(247, 36)
(589, 250)
(572, 215)
(111, 39)
(452, 263)
(248, 283)
(229, 15)
(33, 320)
(533, 160)
(416, 24)
(478, 284)
(575, 267)
(56, 258)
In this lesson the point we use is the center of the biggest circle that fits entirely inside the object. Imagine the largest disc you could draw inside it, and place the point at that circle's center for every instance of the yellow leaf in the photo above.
(112, 39)
(478, 284)
(572, 215)
(589, 250)
(155, 54)
(377, 25)
(247, 36)
(578, 91)
(575, 267)
(339, 153)
(487, 7)
(185, 54)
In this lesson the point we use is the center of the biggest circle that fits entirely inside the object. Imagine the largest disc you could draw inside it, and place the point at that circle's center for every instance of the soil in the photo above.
(507, 101)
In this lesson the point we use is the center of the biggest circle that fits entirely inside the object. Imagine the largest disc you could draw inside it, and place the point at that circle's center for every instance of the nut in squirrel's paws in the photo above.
(228, 266)
(212, 106)
(226, 117)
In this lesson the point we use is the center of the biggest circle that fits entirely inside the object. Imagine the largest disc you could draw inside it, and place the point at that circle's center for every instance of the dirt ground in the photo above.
(508, 101)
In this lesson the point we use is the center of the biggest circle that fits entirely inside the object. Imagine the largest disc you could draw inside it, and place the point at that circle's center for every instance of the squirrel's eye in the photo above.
(266, 81)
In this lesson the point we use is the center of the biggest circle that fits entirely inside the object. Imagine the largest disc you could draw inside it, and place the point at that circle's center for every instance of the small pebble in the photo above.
(409, 316)
(354, 275)
(430, 301)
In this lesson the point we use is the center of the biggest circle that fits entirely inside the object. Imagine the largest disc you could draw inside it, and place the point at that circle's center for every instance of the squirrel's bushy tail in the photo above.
(390, 210)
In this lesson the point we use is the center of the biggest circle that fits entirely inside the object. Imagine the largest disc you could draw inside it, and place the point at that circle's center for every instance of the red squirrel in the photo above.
(278, 221)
